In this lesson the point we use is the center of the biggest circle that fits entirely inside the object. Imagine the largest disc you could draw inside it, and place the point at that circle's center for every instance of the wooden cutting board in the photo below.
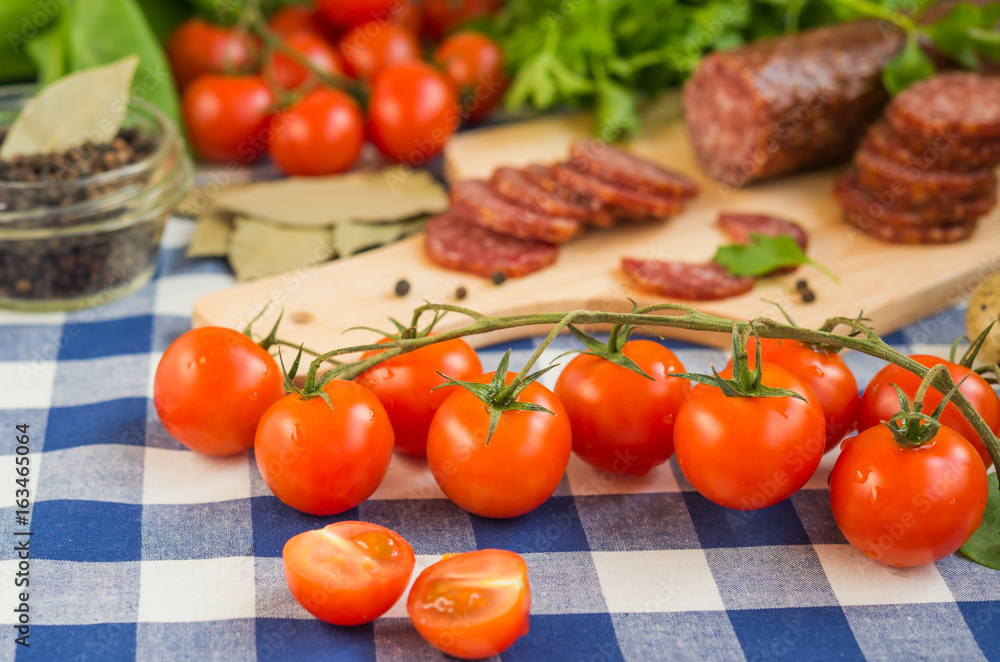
(894, 285)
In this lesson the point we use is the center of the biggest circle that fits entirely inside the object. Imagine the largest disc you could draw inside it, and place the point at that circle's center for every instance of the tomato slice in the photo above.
(348, 573)
(472, 605)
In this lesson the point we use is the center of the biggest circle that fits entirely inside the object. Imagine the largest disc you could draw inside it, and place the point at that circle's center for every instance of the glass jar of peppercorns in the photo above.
(82, 227)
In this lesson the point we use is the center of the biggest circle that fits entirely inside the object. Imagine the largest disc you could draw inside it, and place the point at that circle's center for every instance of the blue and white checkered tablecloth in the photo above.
(144, 550)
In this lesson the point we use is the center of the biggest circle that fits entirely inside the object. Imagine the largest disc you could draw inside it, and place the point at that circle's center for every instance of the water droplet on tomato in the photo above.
(815, 371)
(253, 396)
(873, 498)
(386, 374)
(668, 419)
(870, 553)
(371, 415)
(201, 360)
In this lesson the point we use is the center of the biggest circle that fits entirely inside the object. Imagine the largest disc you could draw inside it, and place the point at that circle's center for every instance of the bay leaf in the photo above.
(351, 238)
(258, 248)
(211, 235)
(984, 545)
(86, 105)
(386, 195)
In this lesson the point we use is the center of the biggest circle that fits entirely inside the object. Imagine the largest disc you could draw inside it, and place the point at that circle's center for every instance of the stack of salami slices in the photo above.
(512, 223)
(925, 173)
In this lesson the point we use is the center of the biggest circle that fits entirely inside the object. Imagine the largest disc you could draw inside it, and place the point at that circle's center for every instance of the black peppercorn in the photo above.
(67, 267)
(402, 287)
(460, 292)
(498, 277)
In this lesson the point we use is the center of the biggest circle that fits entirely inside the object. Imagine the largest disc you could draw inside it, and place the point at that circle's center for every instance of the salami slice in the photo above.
(864, 212)
(938, 152)
(962, 104)
(476, 202)
(739, 227)
(620, 167)
(543, 177)
(516, 187)
(620, 200)
(784, 104)
(917, 186)
(454, 243)
(682, 280)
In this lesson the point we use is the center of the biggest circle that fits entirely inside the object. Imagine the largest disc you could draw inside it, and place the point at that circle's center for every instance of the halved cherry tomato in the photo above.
(405, 386)
(907, 506)
(197, 47)
(348, 573)
(826, 374)
(211, 388)
(472, 605)
(289, 74)
(748, 453)
(880, 400)
(411, 112)
(324, 458)
(321, 134)
(227, 117)
(370, 48)
(517, 470)
(474, 64)
(636, 435)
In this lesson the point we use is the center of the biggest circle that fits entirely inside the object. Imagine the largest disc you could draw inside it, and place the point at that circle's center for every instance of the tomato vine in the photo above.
(860, 337)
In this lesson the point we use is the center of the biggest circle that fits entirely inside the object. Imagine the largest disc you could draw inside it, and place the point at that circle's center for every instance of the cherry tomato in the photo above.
(409, 15)
(443, 16)
(321, 134)
(474, 64)
(289, 74)
(346, 14)
(348, 573)
(412, 112)
(748, 453)
(227, 117)
(472, 605)
(320, 459)
(824, 372)
(298, 18)
(197, 47)
(517, 470)
(404, 385)
(211, 388)
(907, 506)
(623, 422)
(370, 48)
(880, 400)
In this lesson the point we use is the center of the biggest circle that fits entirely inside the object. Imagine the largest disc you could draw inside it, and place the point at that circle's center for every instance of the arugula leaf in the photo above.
(984, 545)
(908, 66)
(763, 255)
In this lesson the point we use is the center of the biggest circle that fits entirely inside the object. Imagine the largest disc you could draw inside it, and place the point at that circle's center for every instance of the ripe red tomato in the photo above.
(298, 18)
(321, 134)
(443, 16)
(324, 460)
(370, 48)
(907, 506)
(347, 573)
(211, 388)
(750, 453)
(345, 14)
(197, 47)
(623, 422)
(227, 117)
(517, 470)
(411, 112)
(474, 64)
(824, 372)
(472, 605)
(289, 74)
(404, 385)
(880, 401)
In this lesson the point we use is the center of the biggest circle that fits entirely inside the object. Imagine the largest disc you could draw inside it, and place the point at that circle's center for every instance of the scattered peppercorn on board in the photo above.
(893, 284)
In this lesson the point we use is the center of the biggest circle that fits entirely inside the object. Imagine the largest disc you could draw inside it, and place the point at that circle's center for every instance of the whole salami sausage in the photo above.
(789, 103)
